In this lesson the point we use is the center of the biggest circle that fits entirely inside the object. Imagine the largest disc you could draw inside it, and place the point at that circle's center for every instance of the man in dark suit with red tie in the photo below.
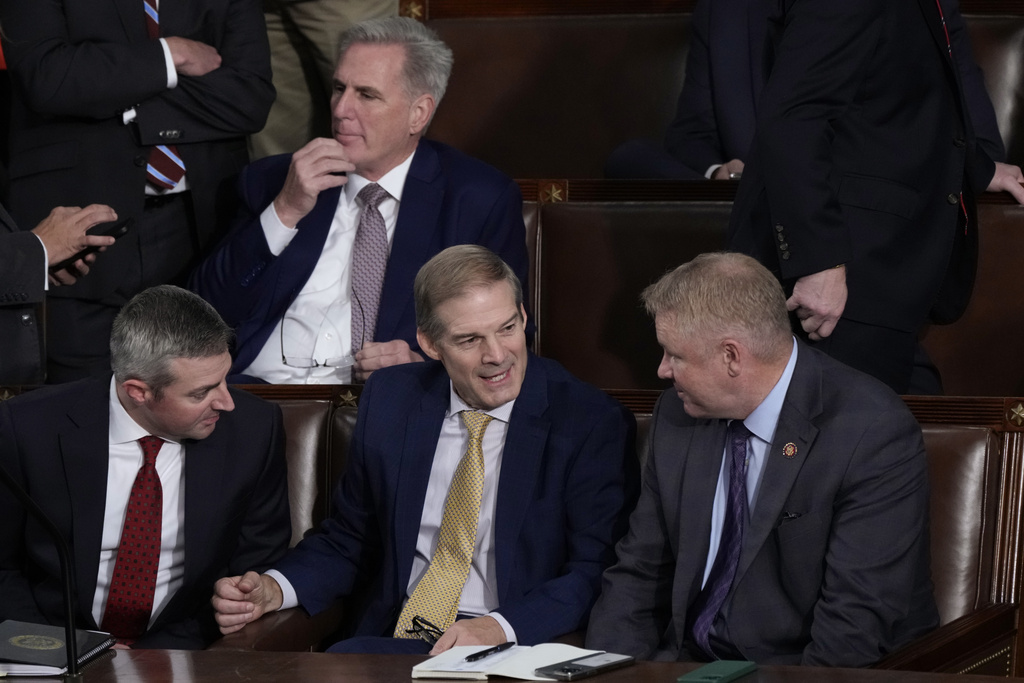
(859, 189)
(161, 479)
(99, 87)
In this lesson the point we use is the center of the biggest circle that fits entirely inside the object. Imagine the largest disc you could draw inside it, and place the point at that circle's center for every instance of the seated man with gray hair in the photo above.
(161, 479)
(484, 493)
(784, 513)
(316, 276)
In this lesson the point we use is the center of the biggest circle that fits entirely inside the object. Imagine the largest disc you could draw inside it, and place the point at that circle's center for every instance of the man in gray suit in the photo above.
(799, 539)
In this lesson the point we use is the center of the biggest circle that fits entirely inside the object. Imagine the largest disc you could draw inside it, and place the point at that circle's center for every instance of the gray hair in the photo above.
(428, 61)
(729, 294)
(452, 273)
(159, 324)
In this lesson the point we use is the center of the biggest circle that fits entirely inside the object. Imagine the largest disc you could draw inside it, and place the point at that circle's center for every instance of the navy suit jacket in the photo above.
(834, 565)
(725, 73)
(448, 198)
(77, 65)
(22, 272)
(567, 484)
(54, 441)
(862, 149)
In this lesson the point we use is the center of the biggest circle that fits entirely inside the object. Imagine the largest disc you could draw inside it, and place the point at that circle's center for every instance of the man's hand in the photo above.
(241, 599)
(314, 168)
(1008, 178)
(63, 233)
(726, 170)
(192, 58)
(477, 631)
(377, 355)
(819, 300)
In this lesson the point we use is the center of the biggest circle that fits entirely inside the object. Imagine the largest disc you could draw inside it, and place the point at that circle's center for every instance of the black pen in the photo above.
(489, 651)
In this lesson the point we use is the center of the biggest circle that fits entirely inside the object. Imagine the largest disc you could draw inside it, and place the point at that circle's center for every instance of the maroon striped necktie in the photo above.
(130, 599)
(165, 168)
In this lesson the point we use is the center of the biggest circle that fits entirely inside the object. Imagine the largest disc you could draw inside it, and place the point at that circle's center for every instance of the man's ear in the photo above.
(137, 390)
(420, 112)
(427, 346)
(732, 356)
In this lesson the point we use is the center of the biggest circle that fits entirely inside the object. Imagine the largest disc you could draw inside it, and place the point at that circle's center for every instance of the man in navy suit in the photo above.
(859, 189)
(76, 449)
(284, 276)
(802, 541)
(559, 481)
(713, 127)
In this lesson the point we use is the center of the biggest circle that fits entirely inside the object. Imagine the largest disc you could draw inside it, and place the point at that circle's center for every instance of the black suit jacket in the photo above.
(77, 65)
(861, 151)
(22, 273)
(54, 442)
(834, 565)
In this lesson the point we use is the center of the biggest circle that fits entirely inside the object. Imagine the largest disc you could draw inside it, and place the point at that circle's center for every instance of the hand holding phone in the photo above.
(115, 229)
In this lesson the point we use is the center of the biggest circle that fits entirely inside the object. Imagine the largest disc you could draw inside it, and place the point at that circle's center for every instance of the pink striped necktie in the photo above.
(369, 261)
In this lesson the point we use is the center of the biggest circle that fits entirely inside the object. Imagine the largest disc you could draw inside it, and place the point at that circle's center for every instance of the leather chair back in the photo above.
(964, 469)
(998, 43)
(306, 430)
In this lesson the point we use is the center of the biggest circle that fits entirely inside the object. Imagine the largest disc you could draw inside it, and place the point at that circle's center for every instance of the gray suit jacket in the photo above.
(834, 565)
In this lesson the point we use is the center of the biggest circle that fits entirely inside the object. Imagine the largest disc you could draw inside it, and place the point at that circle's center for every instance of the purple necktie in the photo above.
(711, 598)
(369, 260)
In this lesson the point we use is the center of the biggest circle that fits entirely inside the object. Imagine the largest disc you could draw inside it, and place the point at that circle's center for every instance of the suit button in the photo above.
(785, 256)
(959, 142)
(778, 227)
(952, 198)
(26, 319)
(140, 160)
(784, 247)
(169, 134)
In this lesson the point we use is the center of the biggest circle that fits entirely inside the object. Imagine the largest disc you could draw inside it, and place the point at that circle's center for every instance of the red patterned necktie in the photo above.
(165, 168)
(369, 261)
(130, 600)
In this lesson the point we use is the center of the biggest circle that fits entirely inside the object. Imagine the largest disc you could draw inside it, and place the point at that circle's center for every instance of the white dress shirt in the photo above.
(125, 459)
(479, 594)
(318, 324)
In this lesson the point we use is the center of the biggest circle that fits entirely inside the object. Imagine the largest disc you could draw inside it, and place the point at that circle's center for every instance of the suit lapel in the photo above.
(133, 19)
(420, 443)
(84, 453)
(796, 426)
(414, 240)
(521, 461)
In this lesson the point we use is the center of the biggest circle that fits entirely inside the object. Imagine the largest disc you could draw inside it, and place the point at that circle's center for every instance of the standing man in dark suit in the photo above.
(99, 86)
(784, 513)
(558, 480)
(288, 276)
(211, 457)
(26, 270)
(715, 117)
(859, 191)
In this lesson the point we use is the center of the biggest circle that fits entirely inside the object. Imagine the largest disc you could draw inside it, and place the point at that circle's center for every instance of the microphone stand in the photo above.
(67, 570)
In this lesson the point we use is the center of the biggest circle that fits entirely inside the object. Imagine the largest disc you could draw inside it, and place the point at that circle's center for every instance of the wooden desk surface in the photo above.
(172, 666)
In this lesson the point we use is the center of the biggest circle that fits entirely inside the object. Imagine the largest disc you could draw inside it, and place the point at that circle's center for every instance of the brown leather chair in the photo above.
(965, 468)
(306, 425)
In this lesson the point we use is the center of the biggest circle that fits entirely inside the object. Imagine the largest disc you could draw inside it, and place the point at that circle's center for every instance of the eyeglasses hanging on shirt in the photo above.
(307, 362)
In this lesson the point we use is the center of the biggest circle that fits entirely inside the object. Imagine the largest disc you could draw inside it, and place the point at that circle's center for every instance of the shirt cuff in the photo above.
(510, 633)
(711, 170)
(46, 264)
(288, 597)
(172, 73)
(278, 234)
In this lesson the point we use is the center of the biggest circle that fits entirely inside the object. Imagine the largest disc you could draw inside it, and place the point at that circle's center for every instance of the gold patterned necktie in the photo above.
(436, 597)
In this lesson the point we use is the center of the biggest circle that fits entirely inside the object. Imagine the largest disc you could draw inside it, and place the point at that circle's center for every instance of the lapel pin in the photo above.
(789, 450)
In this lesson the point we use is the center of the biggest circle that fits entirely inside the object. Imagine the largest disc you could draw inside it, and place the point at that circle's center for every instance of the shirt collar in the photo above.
(763, 420)
(393, 181)
(457, 405)
(123, 428)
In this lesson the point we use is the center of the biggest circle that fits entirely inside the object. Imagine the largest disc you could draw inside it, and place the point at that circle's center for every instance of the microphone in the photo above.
(67, 570)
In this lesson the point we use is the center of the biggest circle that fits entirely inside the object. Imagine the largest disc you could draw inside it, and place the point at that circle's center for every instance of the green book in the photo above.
(40, 650)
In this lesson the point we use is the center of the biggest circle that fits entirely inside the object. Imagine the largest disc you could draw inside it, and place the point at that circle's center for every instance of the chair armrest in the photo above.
(289, 630)
(958, 643)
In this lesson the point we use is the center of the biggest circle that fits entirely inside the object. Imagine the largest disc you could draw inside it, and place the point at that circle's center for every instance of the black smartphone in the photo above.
(584, 667)
(115, 229)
